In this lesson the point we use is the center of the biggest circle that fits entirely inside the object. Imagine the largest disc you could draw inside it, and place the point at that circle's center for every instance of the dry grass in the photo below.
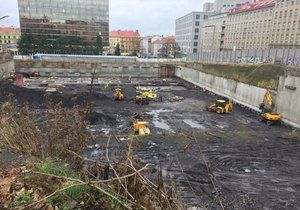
(63, 137)
(61, 130)
(17, 131)
(265, 76)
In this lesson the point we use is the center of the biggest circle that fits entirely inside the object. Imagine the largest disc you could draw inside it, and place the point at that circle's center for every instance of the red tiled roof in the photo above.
(165, 40)
(8, 30)
(120, 33)
(252, 6)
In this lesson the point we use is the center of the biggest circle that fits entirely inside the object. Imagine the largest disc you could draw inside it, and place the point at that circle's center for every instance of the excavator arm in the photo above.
(267, 103)
(268, 99)
(267, 107)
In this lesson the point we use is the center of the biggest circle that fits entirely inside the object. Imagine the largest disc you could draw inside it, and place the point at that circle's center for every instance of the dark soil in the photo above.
(251, 165)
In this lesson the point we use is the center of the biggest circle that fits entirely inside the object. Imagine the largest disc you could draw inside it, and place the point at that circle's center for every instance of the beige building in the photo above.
(9, 39)
(129, 41)
(213, 32)
(221, 6)
(249, 26)
(208, 7)
(286, 25)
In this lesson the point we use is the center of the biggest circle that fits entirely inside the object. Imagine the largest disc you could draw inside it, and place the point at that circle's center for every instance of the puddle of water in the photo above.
(162, 124)
(94, 129)
(194, 124)
(158, 111)
(164, 88)
(106, 131)
(222, 126)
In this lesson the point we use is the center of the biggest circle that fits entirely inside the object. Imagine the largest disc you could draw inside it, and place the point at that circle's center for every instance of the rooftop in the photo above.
(124, 33)
(252, 6)
(165, 40)
(8, 30)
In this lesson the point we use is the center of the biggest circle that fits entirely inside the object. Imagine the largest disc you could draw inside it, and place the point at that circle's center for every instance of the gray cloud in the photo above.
(148, 16)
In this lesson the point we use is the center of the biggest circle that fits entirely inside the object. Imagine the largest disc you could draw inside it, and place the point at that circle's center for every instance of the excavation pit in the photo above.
(252, 165)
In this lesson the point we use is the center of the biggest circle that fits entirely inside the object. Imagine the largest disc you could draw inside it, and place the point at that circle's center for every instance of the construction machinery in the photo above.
(140, 126)
(267, 110)
(145, 96)
(11, 78)
(221, 106)
(118, 95)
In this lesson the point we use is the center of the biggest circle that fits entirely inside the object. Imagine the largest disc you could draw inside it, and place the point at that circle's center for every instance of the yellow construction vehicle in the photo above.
(141, 127)
(118, 95)
(142, 99)
(221, 106)
(12, 77)
(267, 110)
(145, 96)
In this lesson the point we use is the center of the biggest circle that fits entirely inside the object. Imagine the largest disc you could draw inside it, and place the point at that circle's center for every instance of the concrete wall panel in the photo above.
(288, 99)
(247, 95)
(86, 68)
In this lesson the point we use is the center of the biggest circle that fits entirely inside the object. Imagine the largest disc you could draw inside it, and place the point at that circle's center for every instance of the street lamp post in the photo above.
(6, 16)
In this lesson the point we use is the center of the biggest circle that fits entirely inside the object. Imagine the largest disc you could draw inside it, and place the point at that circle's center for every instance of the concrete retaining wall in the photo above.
(85, 69)
(244, 94)
(288, 99)
(6, 68)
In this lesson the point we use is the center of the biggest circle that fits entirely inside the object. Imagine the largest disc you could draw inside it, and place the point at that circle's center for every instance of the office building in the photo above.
(145, 46)
(249, 26)
(84, 19)
(188, 31)
(213, 32)
(221, 6)
(285, 32)
(208, 7)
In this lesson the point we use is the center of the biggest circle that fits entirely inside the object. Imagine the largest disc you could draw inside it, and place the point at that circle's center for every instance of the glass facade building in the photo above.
(71, 18)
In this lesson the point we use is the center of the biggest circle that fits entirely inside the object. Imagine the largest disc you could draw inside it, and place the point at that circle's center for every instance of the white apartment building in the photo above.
(188, 31)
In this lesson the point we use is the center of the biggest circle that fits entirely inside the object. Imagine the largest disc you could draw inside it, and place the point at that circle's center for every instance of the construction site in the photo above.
(215, 160)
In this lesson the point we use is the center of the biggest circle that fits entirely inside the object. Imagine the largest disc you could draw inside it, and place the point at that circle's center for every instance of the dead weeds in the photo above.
(57, 180)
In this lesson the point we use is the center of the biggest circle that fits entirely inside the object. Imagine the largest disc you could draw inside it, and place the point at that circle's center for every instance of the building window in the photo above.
(197, 23)
(198, 17)
(194, 50)
(195, 44)
(196, 30)
(196, 37)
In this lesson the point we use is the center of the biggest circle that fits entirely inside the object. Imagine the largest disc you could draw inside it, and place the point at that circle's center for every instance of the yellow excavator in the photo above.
(118, 95)
(140, 126)
(267, 110)
(221, 106)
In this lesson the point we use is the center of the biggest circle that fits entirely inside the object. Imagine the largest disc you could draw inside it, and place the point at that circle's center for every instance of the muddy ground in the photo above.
(231, 160)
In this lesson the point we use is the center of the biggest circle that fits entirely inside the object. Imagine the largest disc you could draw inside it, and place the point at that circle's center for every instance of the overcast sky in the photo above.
(147, 16)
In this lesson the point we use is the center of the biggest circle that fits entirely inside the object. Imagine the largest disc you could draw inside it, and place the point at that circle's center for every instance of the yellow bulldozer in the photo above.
(145, 96)
(140, 126)
(11, 78)
(221, 106)
(267, 110)
(118, 95)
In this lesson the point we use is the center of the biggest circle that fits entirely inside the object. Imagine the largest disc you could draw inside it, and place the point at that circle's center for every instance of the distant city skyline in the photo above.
(148, 16)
